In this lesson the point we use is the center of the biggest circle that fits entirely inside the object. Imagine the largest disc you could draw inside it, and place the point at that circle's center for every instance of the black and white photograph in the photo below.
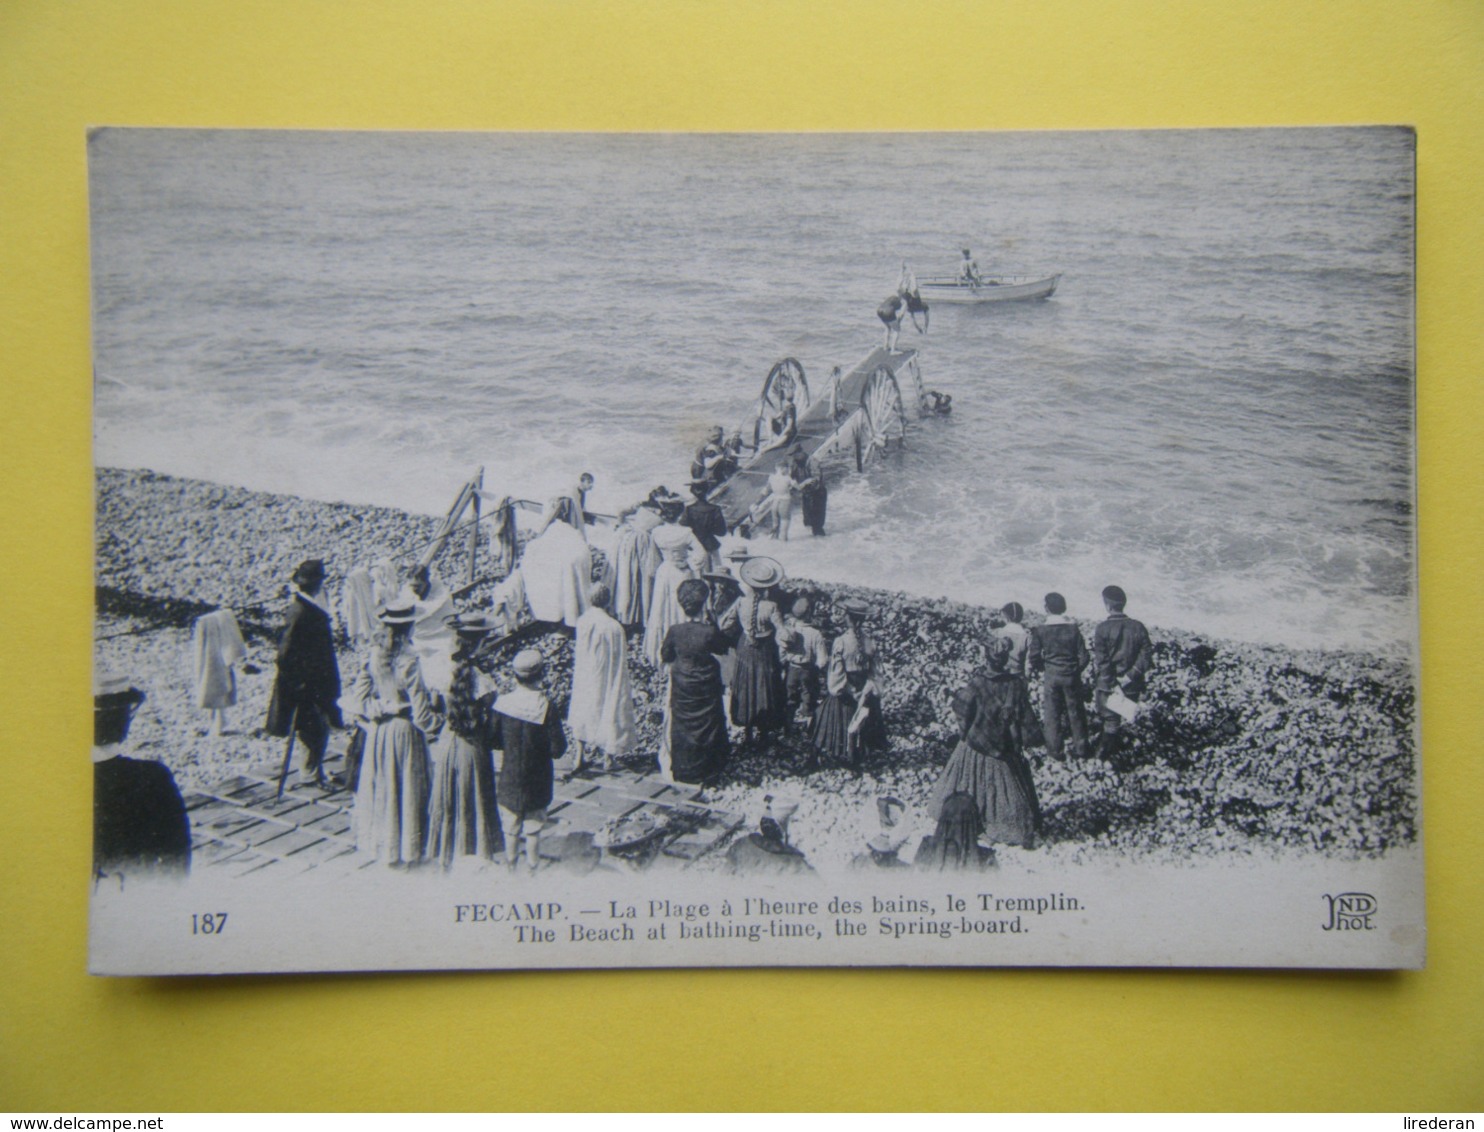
(540, 550)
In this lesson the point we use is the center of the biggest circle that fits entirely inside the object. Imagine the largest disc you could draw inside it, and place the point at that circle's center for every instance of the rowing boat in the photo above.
(996, 289)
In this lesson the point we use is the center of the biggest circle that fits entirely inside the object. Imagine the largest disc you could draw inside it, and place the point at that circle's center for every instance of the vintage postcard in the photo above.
(560, 550)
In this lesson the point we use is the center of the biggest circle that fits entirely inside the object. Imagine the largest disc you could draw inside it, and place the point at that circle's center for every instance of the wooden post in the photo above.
(474, 526)
(436, 546)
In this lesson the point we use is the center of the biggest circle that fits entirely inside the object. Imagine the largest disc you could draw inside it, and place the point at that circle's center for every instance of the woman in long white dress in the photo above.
(216, 648)
(675, 544)
(632, 566)
(601, 714)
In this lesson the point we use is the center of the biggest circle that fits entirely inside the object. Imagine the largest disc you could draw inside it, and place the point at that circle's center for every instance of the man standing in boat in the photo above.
(968, 271)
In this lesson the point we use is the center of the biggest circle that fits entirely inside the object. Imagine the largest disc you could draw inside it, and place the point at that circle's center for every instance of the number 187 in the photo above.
(208, 923)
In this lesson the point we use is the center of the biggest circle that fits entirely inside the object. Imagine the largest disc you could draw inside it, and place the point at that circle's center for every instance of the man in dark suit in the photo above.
(306, 691)
(706, 521)
(1121, 649)
(1057, 651)
(139, 819)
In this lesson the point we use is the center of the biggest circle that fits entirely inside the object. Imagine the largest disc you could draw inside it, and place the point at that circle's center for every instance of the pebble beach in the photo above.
(1245, 749)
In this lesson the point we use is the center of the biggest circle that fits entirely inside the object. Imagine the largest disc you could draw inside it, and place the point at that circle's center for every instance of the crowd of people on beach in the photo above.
(739, 658)
(443, 765)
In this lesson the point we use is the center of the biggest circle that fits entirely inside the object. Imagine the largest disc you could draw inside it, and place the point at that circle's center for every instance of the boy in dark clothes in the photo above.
(805, 657)
(529, 732)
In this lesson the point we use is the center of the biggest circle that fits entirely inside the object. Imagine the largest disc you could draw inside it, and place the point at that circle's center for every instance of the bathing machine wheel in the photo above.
(786, 377)
(883, 419)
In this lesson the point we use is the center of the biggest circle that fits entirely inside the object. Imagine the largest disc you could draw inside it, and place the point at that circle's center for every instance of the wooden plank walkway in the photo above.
(240, 828)
(816, 429)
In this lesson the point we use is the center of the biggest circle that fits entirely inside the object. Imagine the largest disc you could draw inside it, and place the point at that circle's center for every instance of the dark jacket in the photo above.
(1057, 648)
(707, 523)
(139, 818)
(995, 715)
(526, 779)
(1121, 648)
(307, 671)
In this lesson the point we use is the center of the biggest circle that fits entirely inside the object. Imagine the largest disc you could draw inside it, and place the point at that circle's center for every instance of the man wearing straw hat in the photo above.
(306, 689)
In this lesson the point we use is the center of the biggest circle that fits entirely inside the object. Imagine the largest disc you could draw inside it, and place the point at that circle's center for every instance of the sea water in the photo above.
(1215, 410)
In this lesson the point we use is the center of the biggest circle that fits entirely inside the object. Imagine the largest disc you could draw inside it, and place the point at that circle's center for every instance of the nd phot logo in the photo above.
(1350, 912)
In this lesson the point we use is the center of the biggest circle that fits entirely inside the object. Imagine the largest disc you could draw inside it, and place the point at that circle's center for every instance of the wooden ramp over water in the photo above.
(818, 431)
(239, 827)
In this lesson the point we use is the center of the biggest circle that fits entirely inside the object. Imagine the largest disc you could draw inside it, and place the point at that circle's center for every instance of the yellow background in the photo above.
(966, 1039)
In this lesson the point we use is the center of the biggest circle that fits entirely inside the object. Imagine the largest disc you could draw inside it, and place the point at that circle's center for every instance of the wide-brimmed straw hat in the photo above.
(855, 606)
(398, 615)
(738, 553)
(473, 625)
(760, 573)
(719, 579)
(527, 663)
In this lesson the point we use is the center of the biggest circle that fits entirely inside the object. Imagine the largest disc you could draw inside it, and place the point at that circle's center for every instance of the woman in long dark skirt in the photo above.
(464, 822)
(849, 722)
(955, 843)
(694, 746)
(759, 699)
(994, 713)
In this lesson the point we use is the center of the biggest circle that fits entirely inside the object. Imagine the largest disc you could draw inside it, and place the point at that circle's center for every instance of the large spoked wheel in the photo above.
(884, 418)
(786, 376)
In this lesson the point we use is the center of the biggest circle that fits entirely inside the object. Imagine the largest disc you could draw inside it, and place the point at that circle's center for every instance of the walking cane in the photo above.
(288, 753)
